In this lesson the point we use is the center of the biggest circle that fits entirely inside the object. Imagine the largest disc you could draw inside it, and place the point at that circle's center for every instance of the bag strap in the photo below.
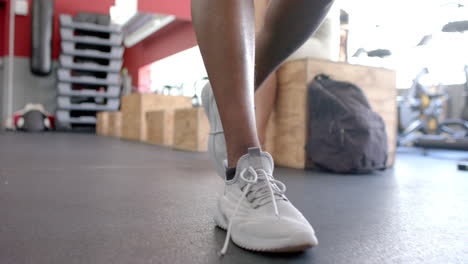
(321, 76)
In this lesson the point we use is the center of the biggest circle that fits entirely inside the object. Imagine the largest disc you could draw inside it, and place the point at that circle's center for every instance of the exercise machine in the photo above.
(451, 134)
(428, 106)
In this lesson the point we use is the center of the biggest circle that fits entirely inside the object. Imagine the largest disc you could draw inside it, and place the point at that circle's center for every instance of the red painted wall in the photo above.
(3, 29)
(174, 39)
(23, 23)
(179, 8)
(177, 37)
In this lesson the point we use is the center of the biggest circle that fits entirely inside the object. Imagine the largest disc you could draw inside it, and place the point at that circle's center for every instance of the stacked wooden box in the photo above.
(191, 129)
(160, 127)
(164, 120)
(102, 123)
(136, 106)
(109, 124)
(290, 118)
(184, 128)
(115, 124)
(172, 121)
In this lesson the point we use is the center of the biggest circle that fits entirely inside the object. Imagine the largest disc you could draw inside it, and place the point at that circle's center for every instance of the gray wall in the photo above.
(29, 88)
(456, 101)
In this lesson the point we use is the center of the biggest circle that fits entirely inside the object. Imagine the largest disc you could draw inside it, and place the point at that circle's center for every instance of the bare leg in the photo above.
(226, 34)
(276, 37)
(265, 98)
(225, 31)
(266, 94)
(288, 24)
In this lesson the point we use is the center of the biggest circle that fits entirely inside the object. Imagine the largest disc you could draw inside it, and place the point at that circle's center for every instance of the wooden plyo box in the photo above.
(290, 119)
(191, 129)
(160, 125)
(269, 143)
(135, 107)
(115, 124)
(102, 123)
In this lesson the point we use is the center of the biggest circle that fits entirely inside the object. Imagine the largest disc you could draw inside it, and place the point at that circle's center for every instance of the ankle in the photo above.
(230, 173)
(236, 154)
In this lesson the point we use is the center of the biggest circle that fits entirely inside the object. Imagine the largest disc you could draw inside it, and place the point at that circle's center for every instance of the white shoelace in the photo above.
(260, 194)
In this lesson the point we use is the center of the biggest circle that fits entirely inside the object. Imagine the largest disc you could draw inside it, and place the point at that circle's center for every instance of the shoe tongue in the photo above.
(256, 159)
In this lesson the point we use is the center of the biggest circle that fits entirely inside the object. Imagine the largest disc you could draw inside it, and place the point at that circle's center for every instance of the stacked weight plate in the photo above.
(89, 71)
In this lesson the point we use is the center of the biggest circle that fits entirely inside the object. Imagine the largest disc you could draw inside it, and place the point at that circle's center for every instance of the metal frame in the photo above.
(9, 67)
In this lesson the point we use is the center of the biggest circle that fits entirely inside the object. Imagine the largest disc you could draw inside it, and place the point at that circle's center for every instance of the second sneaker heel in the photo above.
(220, 220)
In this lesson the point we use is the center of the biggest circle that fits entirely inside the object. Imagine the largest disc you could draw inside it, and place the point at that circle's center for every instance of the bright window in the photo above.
(183, 71)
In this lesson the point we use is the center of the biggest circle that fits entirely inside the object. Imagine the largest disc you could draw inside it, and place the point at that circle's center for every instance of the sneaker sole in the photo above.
(221, 222)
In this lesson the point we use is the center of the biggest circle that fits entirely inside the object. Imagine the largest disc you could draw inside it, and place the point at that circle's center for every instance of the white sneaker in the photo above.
(216, 141)
(256, 213)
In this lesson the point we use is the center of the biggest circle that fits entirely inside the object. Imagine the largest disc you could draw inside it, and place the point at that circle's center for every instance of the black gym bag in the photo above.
(344, 134)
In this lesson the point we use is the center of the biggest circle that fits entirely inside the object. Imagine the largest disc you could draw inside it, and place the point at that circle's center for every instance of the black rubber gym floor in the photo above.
(79, 198)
